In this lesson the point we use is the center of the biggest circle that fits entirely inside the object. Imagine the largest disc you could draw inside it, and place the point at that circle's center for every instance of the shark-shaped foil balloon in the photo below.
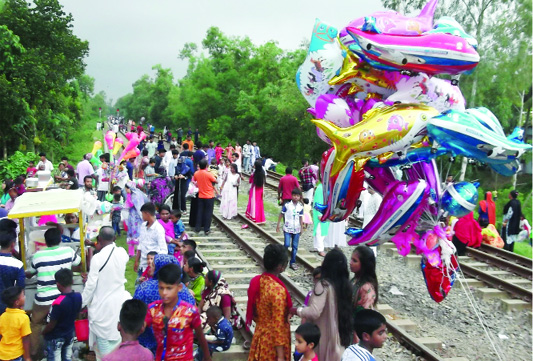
(385, 129)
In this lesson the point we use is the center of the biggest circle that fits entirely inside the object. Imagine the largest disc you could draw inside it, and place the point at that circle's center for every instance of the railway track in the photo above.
(237, 253)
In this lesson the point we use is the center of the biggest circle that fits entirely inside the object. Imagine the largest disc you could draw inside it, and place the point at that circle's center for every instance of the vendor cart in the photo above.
(37, 204)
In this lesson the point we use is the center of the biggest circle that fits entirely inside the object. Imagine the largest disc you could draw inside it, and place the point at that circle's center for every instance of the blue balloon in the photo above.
(460, 198)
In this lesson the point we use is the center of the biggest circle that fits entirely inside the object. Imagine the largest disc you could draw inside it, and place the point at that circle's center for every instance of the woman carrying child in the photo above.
(228, 204)
(217, 293)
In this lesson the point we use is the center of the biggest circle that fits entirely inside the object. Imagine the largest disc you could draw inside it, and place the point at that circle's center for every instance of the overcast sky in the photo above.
(127, 37)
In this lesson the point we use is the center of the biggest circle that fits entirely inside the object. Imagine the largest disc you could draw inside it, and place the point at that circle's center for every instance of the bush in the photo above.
(16, 164)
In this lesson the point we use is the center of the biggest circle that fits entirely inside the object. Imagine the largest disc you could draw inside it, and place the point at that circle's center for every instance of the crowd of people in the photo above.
(176, 304)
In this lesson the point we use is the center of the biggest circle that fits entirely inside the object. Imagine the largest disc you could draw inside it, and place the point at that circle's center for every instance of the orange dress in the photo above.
(271, 327)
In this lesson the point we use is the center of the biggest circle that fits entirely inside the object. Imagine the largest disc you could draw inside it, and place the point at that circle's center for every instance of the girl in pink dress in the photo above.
(255, 210)
(218, 152)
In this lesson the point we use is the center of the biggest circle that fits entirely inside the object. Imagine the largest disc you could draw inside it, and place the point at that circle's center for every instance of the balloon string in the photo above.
(475, 307)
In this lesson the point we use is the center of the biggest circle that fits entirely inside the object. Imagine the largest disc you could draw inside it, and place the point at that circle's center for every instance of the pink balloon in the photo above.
(403, 242)
(380, 179)
(142, 136)
(430, 173)
(128, 135)
(133, 143)
(390, 22)
(398, 204)
(119, 140)
(110, 138)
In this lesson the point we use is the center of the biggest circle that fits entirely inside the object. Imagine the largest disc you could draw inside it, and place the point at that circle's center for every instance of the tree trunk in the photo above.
(519, 125)
(5, 148)
(464, 163)
(30, 144)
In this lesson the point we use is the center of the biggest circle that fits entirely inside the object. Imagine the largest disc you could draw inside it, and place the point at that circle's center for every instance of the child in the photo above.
(188, 245)
(307, 337)
(194, 269)
(173, 321)
(292, 212)
(149, 172)
(220, 329)
(187, 255)
(31, 171)
(130, 326)
(168, 226)
(116, 210)
(179, 235)
(59, 332)
(370, 327)
(148, 273)
(14, 326)
(308, 220)
(213, 168)
(11, 269)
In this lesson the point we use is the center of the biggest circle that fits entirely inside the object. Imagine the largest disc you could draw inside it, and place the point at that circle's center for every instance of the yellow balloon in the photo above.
(116, 147)
(97, 145)
(384, 129)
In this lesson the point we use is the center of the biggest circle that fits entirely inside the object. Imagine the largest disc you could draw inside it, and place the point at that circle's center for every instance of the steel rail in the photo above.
(510, 256)
(514, 290)
(500, 263)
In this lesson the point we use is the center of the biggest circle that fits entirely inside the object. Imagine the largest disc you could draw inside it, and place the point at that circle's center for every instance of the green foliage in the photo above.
(234, 91)
(16, 164)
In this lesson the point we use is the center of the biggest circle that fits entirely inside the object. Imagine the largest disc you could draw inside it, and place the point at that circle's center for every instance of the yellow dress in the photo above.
(271, 328)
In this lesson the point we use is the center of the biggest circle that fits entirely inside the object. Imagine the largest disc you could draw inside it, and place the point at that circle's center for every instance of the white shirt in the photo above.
(151, 148)
(152, 239)
(269, 162)
(171, 168)
(48, 166)
(357, 353)
(246, 151)
(102, 185)
(104, 292)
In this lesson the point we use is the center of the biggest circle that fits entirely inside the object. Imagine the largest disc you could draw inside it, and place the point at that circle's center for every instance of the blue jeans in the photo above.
(295, 239)
(116, 228)
(59, 349)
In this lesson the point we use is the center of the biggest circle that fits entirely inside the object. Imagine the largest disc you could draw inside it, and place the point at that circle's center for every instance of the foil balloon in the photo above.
(95, 161)
(391, 22)
(345, 189)
(133, 153)
(133, 143)
(402, 199)
(380, 179)
(333, 109)
(449, 25)
(118, 144)
(475, 133)
(403, 241)
(96, 146)
(430, 173)
(434, 92)
(459, 199)
(110, 138)
(507, 169)
(439, 280)
(323, 61)
(422, 154)
(386, 129)
(437, 53)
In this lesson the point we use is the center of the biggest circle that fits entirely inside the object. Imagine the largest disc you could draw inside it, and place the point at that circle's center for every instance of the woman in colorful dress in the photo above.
(217, 293)
(228, 204)
(238, 150)
(218, 153)
(255, 209)
(269, 302)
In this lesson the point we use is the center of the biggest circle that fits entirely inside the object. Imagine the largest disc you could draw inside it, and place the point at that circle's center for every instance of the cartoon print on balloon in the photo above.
(323, 61)
(366, 136)
(396, 122)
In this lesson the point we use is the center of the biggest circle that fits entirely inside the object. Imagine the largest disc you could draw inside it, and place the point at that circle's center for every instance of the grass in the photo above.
(131, 275)
(523, 249)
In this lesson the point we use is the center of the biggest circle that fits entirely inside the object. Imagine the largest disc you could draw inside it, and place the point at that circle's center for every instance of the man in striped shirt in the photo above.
(45, 264)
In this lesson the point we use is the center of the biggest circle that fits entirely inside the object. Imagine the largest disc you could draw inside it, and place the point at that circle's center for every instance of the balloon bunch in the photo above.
(375, 98)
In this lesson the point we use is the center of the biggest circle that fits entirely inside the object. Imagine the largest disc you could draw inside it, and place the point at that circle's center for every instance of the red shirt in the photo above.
(174, 341)
(204, 181)
(286, 184)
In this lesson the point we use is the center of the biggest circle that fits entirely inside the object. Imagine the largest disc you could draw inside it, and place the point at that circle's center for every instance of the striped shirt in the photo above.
(357, 353)
(47, 262)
